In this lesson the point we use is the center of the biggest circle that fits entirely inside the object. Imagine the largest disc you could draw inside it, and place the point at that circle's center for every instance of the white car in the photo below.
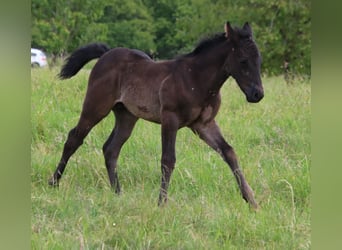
(38, 58)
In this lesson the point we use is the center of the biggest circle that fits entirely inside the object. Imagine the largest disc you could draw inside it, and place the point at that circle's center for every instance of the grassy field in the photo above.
(205, 209)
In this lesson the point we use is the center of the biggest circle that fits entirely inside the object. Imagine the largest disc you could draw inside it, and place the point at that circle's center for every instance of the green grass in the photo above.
(205, 209)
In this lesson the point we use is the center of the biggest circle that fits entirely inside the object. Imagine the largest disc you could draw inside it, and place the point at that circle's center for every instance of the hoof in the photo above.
(254, 205)
(248, 196)
(53, 182)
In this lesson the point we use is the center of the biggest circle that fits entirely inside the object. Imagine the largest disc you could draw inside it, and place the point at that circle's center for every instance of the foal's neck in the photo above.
(210, 67)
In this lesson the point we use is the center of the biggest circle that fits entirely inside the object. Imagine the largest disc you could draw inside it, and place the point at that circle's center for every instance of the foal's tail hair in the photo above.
(80, 57)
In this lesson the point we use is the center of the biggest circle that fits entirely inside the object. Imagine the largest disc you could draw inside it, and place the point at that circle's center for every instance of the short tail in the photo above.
(80, 57)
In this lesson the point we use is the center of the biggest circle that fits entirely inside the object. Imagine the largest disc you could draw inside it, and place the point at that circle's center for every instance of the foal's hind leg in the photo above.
(124, 124)
(211, 134)
(96, 106)
(73, 142)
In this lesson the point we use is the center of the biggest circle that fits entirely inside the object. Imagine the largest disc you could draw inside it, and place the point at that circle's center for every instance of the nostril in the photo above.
(256, 95)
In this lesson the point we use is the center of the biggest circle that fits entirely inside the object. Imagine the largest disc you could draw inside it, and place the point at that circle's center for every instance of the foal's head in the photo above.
(244, 61)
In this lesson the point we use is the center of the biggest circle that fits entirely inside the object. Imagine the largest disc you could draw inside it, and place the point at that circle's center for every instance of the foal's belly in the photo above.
(143, 104)
(144, 111)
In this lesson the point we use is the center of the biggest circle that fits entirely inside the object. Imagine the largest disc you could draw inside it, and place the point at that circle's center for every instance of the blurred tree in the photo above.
(129, 24)
(163, 14)
(166, 28)
(60, 26)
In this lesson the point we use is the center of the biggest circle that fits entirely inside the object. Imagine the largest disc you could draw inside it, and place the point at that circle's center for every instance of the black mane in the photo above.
(209, 42)
(215, 39)
(205, 44)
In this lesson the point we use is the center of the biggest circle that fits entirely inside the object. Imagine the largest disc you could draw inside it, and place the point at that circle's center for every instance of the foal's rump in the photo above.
(126, 76)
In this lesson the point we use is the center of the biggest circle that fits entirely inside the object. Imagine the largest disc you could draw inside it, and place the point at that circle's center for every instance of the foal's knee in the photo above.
(168, 159)
(106, 147)
(168, 163)
(107, 153)
(110, 155)
(230, 153)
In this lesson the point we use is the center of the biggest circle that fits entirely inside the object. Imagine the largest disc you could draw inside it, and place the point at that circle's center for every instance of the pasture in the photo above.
(205, 209)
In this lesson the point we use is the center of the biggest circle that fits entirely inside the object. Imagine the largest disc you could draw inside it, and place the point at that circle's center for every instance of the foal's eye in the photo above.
(244, 62)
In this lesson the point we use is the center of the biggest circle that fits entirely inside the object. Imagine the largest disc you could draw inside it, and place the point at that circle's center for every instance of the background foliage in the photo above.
(166, 28)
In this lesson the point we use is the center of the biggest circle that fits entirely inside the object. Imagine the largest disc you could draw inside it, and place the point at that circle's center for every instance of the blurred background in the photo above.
(166, 28)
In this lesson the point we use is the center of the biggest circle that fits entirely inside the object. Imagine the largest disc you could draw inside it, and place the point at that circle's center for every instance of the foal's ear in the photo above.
(248, 28)
(228, 30)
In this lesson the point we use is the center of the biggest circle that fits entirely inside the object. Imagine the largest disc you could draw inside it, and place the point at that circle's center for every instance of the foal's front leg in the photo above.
(210, 133)
(169, 127)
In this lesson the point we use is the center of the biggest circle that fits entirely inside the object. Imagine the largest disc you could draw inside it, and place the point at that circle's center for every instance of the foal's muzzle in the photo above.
(255, 95)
